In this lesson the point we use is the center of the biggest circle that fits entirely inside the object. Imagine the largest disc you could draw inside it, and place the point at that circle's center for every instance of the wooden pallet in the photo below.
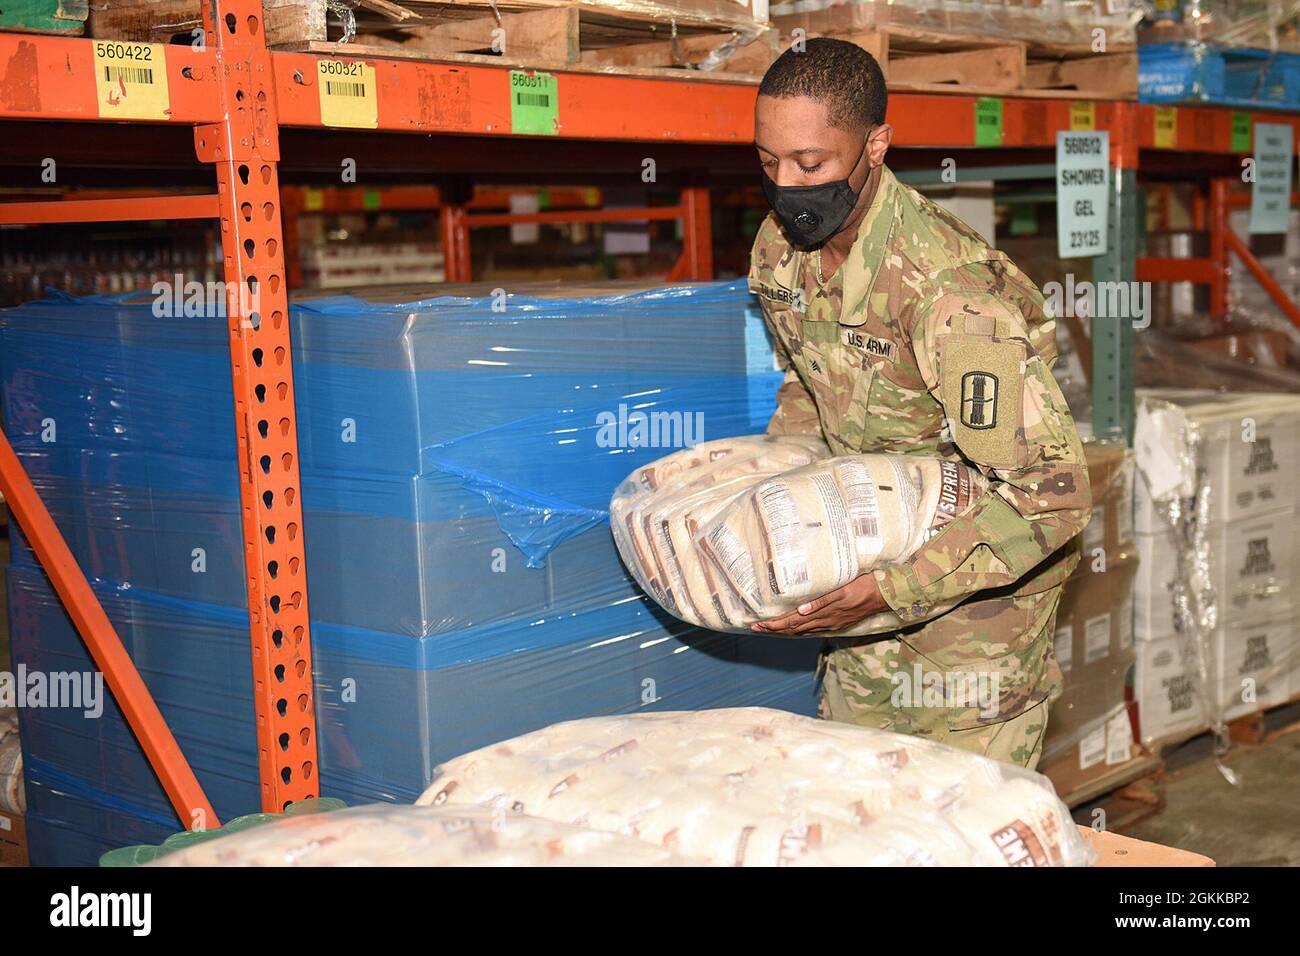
(60, 17)
(920, 60)
(166, 21)
(677, 33)
(1130, 792)
(712, 36)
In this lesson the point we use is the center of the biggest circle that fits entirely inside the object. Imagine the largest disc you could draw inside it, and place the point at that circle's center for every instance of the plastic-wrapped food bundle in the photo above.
(757, 787)
(742, 530)
(12, 798)
(385, 834)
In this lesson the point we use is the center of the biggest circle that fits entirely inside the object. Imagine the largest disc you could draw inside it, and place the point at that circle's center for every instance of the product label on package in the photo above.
(1064, 644)
(131, 80)
(1092, 748)
(1096, 638)
(1119, 739)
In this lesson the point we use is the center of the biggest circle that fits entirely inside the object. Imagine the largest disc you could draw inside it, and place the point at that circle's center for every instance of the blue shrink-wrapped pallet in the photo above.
(1196, 72)
(457, 456)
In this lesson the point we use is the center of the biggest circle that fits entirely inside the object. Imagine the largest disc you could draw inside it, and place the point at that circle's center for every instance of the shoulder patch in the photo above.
(982, 383)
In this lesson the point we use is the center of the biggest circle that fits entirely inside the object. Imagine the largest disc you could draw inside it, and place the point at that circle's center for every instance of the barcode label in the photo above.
(341, 88)
(781, 519)
(128, 74)
(532, 99)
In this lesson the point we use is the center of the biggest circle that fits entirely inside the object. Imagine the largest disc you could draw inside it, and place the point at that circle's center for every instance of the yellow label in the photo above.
(1083, 117)
(1166, 127)
(313, 199)
(131, 80)
(348, 96)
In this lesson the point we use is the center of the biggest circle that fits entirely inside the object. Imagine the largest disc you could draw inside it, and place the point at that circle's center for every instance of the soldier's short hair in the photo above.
(840, 74)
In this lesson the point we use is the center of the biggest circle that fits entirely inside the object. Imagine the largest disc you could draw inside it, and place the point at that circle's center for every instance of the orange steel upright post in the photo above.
(1219, 226)
(244, 149)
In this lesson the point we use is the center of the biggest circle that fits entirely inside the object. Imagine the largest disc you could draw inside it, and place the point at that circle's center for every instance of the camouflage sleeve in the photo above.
(1006, 414)
(796, 411)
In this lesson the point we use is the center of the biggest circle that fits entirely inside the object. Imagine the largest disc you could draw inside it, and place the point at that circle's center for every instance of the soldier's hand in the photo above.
(837, 611)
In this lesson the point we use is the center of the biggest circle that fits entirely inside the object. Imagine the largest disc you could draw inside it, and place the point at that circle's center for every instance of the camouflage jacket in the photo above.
(927, 341)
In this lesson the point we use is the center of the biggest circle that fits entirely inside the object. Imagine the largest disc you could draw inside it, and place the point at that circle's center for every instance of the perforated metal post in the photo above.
(244, 150)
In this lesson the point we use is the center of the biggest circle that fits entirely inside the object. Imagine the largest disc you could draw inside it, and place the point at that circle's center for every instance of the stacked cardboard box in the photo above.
(1088, 732)
(1215, 622)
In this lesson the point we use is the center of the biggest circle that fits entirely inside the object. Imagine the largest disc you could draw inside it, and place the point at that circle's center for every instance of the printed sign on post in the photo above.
(1270, 196)
(1082, 193)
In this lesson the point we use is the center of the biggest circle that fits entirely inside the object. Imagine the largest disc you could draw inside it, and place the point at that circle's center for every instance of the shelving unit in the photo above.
(252, 111)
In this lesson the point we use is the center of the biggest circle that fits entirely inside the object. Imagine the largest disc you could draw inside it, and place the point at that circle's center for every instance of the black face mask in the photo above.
(812, 214)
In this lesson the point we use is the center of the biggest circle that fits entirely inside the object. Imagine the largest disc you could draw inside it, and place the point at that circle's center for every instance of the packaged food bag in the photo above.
(743, 530)
(753, 786)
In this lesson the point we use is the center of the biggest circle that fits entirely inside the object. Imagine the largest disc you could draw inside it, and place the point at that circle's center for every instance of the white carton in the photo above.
(1252, 566)
(1166, 691)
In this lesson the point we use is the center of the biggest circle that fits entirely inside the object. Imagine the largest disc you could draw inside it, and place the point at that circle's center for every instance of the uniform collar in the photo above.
(867, 256)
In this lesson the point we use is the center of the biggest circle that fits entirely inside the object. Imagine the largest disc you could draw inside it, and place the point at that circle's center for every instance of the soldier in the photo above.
(902, 331)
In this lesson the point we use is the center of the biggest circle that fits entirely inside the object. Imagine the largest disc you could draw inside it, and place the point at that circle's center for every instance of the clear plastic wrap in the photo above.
(457, 455)
(388, 835)
(756, 787)
(1196, 71)
(744, 530)
(1216, 511)
(12, 797)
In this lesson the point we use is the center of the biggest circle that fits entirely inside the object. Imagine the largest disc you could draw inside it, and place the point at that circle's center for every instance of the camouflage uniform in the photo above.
(928, 342)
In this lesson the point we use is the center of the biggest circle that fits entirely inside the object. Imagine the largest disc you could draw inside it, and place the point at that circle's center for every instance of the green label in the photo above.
(1241, 132)
(988, 122)
(534, 103)
(370, 199)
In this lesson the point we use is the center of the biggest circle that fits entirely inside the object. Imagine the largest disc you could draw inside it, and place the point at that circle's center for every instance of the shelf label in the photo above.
(988, 121)
(1083, 117)
(1082, 193)
(370, 200)
(1270, 194)
(534, 103)
(131, 80)
(1241, 132)
(313, 200)
(348, 93)
(1166, 127)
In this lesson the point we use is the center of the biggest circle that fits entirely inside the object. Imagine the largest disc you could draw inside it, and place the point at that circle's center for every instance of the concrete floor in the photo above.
(1256, 823)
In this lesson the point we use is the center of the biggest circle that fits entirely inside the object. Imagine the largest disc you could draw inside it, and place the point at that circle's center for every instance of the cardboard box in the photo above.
(1254, 665)
(1088, 730)
(1168, 703)
(1110, 473)
(1249, 449)
(1094, 750)
(13, 840)
(1094, 623)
